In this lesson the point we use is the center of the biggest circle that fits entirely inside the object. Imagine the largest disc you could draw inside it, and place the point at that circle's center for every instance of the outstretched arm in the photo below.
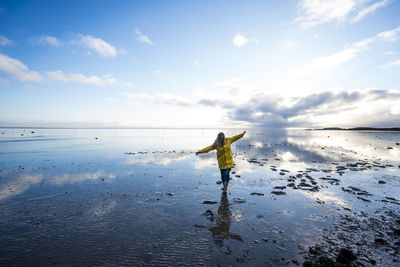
(205, 150)
(237, 137)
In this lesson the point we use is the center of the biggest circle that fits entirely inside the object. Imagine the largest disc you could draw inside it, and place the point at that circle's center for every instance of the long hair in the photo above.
(219, 141)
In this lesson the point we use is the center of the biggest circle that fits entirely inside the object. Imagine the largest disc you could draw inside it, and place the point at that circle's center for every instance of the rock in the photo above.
(209, 215)
(389, 147)
(380, 241)
(209, 202)
(278, 193)
(381, 182)
(170, 194)
(304, 184)
(239, 259)
(396, 232)
(345, 256)
(324, 261)
(256, 194)
(280, 187)
(238, 200)
(265, 239)
(226, 250)
(315, 251)
(364, 199)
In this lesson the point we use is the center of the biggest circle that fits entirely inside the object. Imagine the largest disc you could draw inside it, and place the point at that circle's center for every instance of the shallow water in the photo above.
(135, 197)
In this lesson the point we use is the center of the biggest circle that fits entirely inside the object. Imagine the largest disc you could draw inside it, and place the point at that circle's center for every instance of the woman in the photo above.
(224, 155)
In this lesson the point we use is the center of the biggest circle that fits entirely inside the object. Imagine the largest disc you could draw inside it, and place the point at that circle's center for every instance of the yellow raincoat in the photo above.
(224, 153)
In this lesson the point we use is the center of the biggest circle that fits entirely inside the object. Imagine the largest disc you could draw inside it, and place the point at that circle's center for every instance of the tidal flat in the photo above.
(141, 197)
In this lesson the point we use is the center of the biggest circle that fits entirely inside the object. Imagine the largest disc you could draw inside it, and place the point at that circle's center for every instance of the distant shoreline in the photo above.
(393, 129)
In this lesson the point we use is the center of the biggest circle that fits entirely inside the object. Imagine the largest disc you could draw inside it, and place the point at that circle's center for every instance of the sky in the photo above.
(201, 64)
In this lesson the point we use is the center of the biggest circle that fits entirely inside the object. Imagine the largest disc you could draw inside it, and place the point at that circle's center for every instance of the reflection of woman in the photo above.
(224, 155)
(220, 231)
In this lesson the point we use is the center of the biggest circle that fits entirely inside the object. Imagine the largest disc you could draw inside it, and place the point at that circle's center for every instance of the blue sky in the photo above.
(308, 63)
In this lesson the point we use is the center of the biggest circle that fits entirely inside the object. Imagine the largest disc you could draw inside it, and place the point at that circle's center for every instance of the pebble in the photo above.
(238, 200)
(278, 193)
(280, 187)
(239, 259)
(209, 202)
(346, 256)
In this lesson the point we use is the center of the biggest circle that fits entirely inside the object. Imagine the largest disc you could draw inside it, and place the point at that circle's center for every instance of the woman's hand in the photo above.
(244, 132)
(197, 153)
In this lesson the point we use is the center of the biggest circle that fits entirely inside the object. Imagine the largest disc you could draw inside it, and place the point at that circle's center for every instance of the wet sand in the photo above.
(141, 197)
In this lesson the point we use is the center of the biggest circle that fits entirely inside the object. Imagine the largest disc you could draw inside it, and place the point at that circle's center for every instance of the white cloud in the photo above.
(111, 100)
(4, 82)
(128, 84)
(19, 184)
(143, 38)
(159, 98)
(122, 52)
(390, 36)
(18, 70)
(97, 45)
(4, 41)
(80, 177)
(322, 11)
(328, 62)
(158, 159)
(392, 64)
(291, 44)
(365, 11)
(368, 107)
(80, 78)
(335, 60)
(47, 40)
(390, 53)
(364, 43)
(240, 40)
